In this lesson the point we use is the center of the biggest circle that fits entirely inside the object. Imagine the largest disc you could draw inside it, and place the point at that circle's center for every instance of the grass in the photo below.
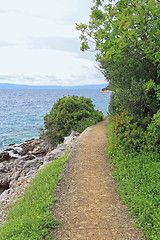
(138, 179)
(30, 217)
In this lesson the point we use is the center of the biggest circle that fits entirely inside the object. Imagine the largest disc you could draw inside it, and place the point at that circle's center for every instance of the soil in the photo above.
(88, 205)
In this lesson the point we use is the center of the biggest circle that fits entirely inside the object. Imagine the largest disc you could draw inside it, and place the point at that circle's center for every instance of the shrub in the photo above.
(127, 133)
(70, 113)
(133, 136)
(137, 174)
(154, 127)
(152, 133)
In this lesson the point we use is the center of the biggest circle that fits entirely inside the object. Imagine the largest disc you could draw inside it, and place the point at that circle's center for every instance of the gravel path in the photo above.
(88, 204)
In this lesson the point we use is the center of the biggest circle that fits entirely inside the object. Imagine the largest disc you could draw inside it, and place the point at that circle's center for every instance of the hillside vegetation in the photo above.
(126, 36)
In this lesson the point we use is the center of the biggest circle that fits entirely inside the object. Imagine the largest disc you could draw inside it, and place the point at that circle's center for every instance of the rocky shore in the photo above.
(20, 164)
(105, 91)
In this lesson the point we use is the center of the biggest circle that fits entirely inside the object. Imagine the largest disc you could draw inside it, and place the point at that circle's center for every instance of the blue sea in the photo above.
(22, 111)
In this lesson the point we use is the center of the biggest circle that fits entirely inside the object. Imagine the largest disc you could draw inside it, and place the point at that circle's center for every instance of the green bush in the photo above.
(70, 113)
(140, 102)
(137, 174)
(132, 135)
(154, 127)
(127, 133)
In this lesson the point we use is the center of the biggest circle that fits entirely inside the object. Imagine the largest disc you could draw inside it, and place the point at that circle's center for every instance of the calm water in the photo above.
(22, 111)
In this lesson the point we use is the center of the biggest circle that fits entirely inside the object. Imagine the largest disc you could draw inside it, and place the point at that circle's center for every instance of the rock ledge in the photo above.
(20, 164)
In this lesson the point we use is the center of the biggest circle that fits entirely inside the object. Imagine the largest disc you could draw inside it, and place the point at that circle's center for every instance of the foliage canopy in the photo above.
(70, 113)
(126, 35)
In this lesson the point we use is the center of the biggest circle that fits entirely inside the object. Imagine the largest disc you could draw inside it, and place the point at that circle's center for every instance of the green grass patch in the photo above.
(30, 217)
(138, 178)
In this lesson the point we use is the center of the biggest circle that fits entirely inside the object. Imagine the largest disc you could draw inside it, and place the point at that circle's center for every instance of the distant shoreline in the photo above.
(19, 86)
(105, 91)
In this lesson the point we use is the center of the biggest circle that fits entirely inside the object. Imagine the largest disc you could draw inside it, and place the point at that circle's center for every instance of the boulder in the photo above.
(36, 147)
(13, 157)
(74, 133)
(2, 167)
(54, 154)
(15, 176)
(28, 157)
(61, 148)
(30, 163)
(9, 149)
(15, 151)
(4, 195)
(70, 139)
(4, 181)
(4, 156)
(31, 173)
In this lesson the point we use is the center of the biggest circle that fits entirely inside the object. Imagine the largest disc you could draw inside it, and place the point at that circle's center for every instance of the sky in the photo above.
(39, 43)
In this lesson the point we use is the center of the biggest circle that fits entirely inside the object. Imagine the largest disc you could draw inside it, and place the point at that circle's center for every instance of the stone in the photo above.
(54, 154)
(4, 180)
(61, 147)
(12, 184)
(9, 149)
(74, 133)
(28, 157)
(4, 156)
(35, 147)
(30, 163)
(13, 157)
(70, 139)
(31, 173)
(12, 144)
(2, 167)
(15, 151)
(15, 175)
(4, 195)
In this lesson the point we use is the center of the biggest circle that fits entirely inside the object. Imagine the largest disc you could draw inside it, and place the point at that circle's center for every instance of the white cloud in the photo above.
(39, 39)
(64, 66)
(19, 28)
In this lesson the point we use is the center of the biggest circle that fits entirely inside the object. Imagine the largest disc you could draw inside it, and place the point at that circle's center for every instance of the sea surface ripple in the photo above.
(22, 111)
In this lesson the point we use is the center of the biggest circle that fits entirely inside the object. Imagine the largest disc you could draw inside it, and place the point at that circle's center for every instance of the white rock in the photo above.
(4, 195)
(30, 163)
(54, 154)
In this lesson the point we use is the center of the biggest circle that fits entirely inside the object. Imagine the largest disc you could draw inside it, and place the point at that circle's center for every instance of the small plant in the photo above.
(70, 113)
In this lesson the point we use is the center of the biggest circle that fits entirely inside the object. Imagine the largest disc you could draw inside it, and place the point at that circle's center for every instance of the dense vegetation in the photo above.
(126, 36)
(137, 173)
(70, 113)
(30, 218)
(107, 88)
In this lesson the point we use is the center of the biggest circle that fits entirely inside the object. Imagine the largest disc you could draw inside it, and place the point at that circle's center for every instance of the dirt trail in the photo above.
(88, 204)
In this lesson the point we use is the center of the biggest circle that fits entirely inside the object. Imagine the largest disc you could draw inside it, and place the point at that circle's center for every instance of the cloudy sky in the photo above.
(39, 44)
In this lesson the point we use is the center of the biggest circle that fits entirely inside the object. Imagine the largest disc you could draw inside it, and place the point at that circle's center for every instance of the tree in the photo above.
(70, 113)
(126, 35)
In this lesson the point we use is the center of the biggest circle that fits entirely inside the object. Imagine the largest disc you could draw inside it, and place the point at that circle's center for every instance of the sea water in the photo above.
(22, 111)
